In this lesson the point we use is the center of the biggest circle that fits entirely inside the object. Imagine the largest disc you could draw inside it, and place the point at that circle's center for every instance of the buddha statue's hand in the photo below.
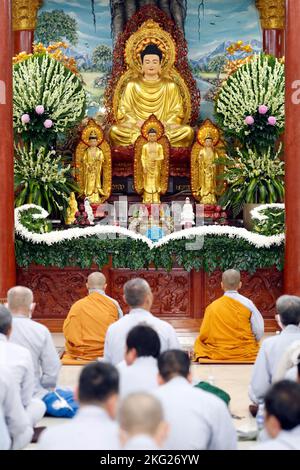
(173, 126)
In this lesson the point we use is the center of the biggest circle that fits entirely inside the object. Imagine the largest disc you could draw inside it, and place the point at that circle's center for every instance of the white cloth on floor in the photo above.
(38, 340)
(141, 442)
(269, 355)
(141, 376)
(115, 340)
(286, 440)
(19, 362)
(198, 420)
(90, 429)
(17, 421)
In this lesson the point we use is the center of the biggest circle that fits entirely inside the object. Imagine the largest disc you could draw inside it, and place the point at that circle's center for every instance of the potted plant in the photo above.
(253, 177)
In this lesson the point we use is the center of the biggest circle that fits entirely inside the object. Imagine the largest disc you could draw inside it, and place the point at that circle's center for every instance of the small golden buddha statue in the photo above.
(151, 168)
(204, 169)
(93, 164)
(71, 210)
(150, 89)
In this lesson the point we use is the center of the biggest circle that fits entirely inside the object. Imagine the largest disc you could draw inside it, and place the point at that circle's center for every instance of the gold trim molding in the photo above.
(24, 14)
(272, 13)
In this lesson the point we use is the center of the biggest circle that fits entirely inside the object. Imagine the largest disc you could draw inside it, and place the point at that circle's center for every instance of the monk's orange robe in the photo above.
(225, 333)
(86, 325)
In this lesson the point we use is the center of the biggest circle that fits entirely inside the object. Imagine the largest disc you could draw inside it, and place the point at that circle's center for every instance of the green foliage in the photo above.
(273, 222)
(54, 26)
(102, 58)
(36, 225)
(252, 177)
(219, 252)
(217, 64)
(41, 179)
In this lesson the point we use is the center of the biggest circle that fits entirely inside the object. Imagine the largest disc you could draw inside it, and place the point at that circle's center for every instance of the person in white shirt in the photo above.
(288, 365)
(142, 425)
(140, 372)
(198, 420)
(19, 361)
(16, 431)
(138, 295)
(282, 417)
(93, 427)
(272, 349)
(36, 338)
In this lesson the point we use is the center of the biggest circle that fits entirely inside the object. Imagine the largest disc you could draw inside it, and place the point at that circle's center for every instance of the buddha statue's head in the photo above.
(152, 135)
(151, 58)
(93, 139)
(208, 142)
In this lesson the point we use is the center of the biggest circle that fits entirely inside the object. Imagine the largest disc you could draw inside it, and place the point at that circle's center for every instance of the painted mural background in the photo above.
(210, 27)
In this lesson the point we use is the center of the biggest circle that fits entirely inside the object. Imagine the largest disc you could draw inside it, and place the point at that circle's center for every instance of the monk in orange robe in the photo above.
(87, 322)
(232, 325)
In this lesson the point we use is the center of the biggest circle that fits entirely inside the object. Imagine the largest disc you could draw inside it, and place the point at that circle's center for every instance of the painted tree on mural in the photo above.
(121, 11)
(54, 26)
(102, 57)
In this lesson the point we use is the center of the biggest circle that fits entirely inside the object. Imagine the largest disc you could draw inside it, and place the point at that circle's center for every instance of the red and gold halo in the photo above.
(152, 123)
(208, 129)
(92, 127)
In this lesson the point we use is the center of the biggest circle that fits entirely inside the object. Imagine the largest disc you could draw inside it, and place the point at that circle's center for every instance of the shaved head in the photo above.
(140, 413)
(96, 281)
(231, 279)
(19, 299)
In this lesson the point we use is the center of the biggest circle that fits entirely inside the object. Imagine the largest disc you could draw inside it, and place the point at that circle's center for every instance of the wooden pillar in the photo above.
(272, 19)
(7, 254)
(24, 22)
(292, 150)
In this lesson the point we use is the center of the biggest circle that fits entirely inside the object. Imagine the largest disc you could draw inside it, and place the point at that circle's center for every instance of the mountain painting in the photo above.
(210, 27)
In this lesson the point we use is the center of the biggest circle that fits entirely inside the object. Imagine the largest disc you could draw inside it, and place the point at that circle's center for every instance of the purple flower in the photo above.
(272, 120)
(249, 120)
(25, 118)
(39, 109)
(262, 109)
(48, 123)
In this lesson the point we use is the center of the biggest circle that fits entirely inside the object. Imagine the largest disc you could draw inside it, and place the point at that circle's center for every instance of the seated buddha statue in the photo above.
(151, 92)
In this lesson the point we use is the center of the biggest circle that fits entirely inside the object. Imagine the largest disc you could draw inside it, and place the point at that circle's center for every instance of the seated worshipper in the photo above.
(18, 431)
(36, 338)
(282, 417)
(142, 350)
(19, 362)
(272, 349)
(87, 321)
(138, 295)
(142, 425)
(198, 420)
(232, 326)
(93, 427)
(289, 364)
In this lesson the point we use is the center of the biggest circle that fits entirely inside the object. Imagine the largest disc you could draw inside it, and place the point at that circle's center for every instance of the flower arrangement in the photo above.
(253, 177)
(48, 97)
(41, 179)
(269, 219)
(250, 104)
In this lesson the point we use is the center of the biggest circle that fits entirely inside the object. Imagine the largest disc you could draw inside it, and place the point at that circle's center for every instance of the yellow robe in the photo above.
(142, 98)
(86, 325)
(225, 333)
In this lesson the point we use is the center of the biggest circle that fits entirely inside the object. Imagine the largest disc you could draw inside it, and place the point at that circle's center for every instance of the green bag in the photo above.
(207, 387)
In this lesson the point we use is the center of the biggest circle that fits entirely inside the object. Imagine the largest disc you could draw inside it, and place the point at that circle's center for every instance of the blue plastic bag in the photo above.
(61, 403)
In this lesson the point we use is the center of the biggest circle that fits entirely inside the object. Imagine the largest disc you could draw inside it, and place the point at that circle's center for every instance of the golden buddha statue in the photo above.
(151, 167)
(204, 168)
(93, 164)
(151, 85)
(71, 210)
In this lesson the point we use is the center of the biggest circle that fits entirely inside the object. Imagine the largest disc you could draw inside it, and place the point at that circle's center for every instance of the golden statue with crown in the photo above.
(151, 161)
(204, 169)
(151, 85)
(93, 164)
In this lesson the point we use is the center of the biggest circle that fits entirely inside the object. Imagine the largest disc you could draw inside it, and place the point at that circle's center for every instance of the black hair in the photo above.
(153, 50)
(144, 340)
(283, 402)
(172, 363)
(152, 131)
(5, 320)
(97, 382)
